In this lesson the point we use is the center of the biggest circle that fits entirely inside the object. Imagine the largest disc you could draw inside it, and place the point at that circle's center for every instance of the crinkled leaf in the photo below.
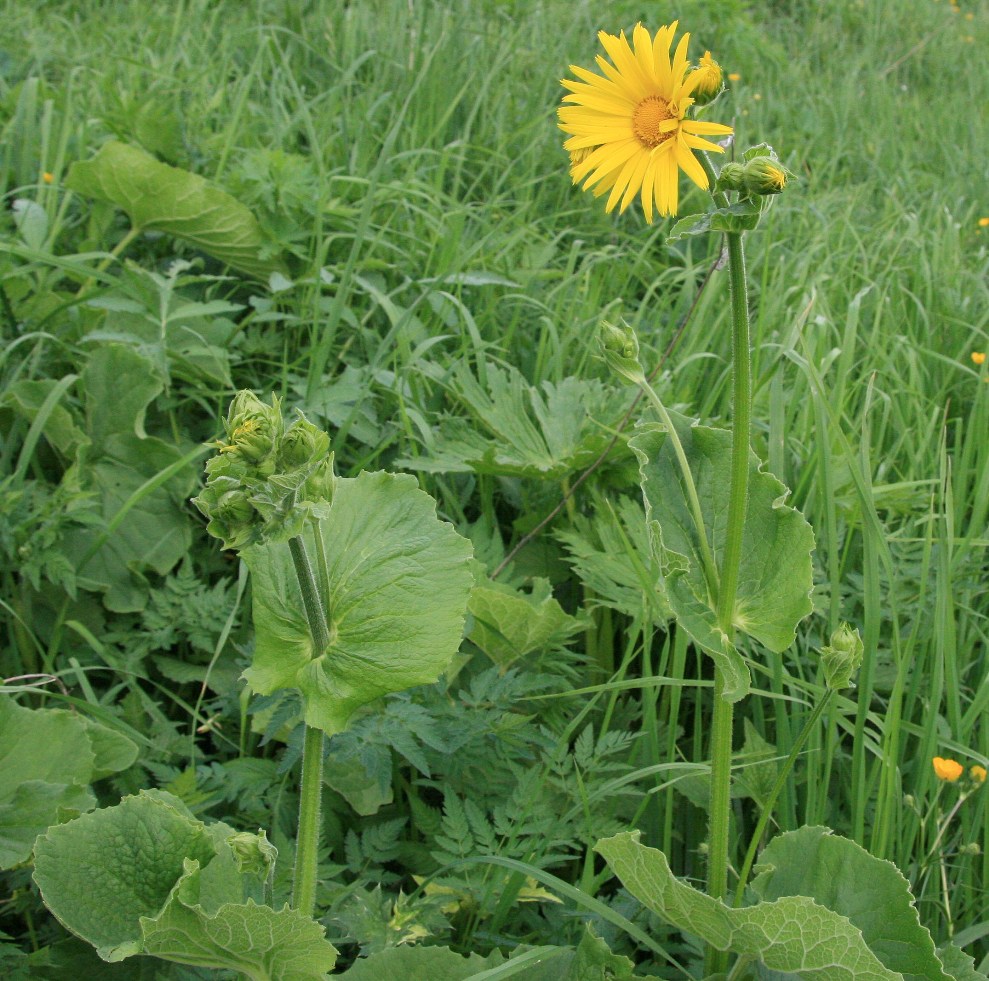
(872, 893)
(161, 198)
(792, 934)
(591, 960)
(516, 429)
(434, 963)
(118, 385)
(262, 943)
(398, 585)
(508, 623)
(102, 872)
(775, 575)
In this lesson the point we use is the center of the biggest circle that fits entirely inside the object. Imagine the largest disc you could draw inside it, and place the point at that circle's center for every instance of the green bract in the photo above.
(266, 480)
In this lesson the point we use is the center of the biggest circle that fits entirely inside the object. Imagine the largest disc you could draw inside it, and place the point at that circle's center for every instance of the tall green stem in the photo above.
(723, 714)
(307, 842)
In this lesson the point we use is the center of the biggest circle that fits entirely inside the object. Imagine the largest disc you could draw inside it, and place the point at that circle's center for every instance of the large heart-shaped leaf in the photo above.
(161, 198)
(775, 576)
(793, 934)
(872, 893)
(398, 585)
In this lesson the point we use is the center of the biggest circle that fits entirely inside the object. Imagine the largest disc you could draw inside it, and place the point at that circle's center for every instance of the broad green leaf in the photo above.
(42, 744)
(46, 760)
(398, 585)
(31, 221)
(156, 533)
(435, 963)
(508, 624)
(262, 943)
(958, 964)
(27, 398)
(775, 576)
(161, 198)
(843, 876)
(119, 384)
(32, 808)
(113, 751)
(793, 934)
(102, 872)
(516, 429)
(742, 216)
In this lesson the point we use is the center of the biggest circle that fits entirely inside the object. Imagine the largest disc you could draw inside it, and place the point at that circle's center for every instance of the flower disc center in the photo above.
(646, 118)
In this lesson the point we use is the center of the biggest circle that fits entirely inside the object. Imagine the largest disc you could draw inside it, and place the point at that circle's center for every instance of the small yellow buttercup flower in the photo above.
(949, 770)
(48, 178)
(978, 774)
(978, 357)
(984, 223)
(634, 119)
(734, 77)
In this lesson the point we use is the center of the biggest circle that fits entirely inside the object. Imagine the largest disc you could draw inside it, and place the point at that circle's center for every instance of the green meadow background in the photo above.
(403, 160)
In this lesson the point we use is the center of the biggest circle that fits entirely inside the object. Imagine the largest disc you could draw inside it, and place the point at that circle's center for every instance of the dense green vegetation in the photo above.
(428, 290)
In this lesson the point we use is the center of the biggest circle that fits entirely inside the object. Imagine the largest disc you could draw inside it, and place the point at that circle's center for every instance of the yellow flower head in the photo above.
(48, 178)
(978, 357)
(708, 85)
(984, 223)
(734, 77)
(633, 118)
(978, 774)
(949, 770)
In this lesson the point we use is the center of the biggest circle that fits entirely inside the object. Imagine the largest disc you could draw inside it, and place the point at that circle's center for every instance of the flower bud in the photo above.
(731, 176)
(302, 445)
(977, 774)
(764, 175)
(620, 349)
(252, 427)
(842, 658)
(254, 854)
(709, 80)
(232, 517)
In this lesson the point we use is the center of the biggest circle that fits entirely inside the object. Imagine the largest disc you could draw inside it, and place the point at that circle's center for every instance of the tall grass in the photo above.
(408, 150)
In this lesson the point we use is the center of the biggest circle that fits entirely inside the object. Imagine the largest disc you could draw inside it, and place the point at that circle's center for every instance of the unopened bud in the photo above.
(709, 80)
(764, 175)
(252, 427)
(302, 445)
(842, 657)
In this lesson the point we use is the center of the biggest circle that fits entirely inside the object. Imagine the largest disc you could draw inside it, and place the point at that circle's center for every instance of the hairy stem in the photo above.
(310, 793)
(723, 715)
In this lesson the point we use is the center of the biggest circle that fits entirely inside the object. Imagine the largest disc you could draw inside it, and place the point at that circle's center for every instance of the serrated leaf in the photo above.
(792, 934)
(262, 943)
(102, 872)
(158, 197)
(516, 429)
(958, 964)
(434, 963)
(775, 575)
(398, 585)
(872, 893)
(508, 623)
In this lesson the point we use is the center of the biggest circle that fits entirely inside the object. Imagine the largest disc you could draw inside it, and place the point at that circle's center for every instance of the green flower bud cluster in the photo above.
(620, 349)
(842, 657)
(266, 479)
(759, 175)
